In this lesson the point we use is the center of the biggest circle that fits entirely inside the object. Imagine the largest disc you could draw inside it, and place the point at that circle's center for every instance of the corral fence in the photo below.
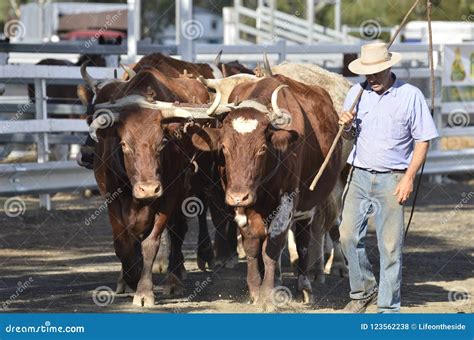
(25, 122)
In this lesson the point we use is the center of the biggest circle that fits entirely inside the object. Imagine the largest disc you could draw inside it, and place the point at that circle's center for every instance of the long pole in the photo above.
(432, 83)
(341, 128)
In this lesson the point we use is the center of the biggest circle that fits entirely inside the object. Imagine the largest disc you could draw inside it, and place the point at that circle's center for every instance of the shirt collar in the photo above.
(392, 90)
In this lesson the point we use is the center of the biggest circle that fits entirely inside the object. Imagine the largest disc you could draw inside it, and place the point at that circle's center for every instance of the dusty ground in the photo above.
(53, 262)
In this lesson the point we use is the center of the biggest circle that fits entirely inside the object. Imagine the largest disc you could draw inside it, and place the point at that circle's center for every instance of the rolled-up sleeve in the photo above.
(423, 127)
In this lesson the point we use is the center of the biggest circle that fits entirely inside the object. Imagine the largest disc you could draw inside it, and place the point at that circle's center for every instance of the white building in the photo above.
(206, 27)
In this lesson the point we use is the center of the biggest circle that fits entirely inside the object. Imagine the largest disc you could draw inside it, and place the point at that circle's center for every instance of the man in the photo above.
(392, 127)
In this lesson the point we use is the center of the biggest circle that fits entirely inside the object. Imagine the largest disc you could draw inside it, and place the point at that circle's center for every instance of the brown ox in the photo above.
(202, 183)
(139, 156)
(270, 160)
(172, 68)
(176, 68)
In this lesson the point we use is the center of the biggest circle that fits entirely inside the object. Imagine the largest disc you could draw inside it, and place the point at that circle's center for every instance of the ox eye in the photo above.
(162, 145)
(262, 149)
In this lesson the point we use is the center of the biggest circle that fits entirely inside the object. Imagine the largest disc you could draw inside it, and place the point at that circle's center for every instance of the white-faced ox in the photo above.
(271, 156)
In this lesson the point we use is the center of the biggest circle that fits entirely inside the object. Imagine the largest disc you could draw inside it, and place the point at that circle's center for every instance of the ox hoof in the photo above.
(144, 300)
(304, 286)
(307, 297)
(294, 267)
(320, 278)
(204, 265)
(201, 264)
(342, 272)
(121, 288)
(162, 265)
(173, 285)
(232, 262)
(218, 264)
(267, 307)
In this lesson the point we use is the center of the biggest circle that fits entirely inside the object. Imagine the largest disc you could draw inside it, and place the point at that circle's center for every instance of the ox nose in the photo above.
(147, 190)
(239, 199)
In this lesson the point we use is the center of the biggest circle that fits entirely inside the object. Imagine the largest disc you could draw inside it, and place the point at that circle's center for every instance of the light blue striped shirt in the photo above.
(388, 125)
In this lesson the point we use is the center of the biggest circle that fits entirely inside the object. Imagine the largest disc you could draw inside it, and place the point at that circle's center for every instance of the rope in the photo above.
(432, 83)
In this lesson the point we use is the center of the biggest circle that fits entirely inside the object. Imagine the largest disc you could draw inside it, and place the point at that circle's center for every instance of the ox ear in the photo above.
(84, 94)
(207, 139)
(173, 127)
(282, 139)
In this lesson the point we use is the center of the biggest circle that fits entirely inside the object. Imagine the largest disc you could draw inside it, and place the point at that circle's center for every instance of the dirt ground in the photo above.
(53, 262)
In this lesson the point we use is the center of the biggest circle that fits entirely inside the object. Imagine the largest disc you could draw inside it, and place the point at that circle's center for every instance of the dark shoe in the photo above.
(359, 306)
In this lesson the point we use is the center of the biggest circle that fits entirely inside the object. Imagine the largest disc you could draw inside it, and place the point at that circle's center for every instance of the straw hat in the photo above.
(374, 58)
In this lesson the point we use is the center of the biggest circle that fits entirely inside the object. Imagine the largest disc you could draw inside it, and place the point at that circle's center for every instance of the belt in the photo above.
(382, 172)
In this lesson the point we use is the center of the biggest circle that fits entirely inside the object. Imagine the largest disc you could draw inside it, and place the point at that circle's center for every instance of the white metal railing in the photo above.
(21, 178)
(271, 25)
(42, 126)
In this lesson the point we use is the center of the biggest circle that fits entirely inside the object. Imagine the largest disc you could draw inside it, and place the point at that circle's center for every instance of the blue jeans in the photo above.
(367, 194)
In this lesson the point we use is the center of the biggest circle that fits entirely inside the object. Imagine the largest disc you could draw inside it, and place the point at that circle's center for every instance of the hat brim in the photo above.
(358, 68)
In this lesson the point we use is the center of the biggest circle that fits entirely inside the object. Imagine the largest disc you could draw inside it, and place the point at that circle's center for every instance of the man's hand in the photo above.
(346, 118)
(404, 189)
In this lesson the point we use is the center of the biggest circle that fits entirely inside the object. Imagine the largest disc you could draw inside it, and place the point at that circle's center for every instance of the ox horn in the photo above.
(278, 117)
(215, 104)
(267, 70)
(103, 118)
(91, 82)
(203, 80)
(217, 100)
(131, 73)
(168, 110)
(218, 58)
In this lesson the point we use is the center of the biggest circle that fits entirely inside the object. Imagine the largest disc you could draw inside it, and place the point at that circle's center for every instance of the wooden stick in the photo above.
(341, 128)
(334, 143)
(402, 24)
